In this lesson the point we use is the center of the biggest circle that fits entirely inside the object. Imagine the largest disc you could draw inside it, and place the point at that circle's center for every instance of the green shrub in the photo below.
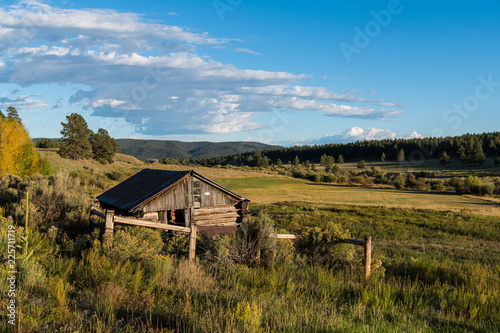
(399, 182)
(324, 246)
(473, 185)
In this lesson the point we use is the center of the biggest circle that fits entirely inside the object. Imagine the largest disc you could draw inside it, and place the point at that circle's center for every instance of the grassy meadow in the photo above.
(435, 260)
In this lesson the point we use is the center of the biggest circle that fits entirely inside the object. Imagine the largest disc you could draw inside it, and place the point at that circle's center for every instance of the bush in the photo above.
(399, 182)
(252, 244)
(487, 189)
(473, 185)
(438, 186)
(323, 245)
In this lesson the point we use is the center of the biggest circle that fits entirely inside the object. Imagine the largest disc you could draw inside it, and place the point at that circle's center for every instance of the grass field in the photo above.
(279, 189)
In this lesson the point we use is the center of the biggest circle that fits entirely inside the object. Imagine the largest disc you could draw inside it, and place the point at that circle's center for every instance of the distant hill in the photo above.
(145, 149)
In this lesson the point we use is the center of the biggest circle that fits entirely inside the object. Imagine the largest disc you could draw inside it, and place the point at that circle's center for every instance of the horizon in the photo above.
(281, 73)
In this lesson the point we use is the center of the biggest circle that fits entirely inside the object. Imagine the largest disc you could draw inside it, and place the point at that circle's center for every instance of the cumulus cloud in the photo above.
(355, 133)
(152, 75)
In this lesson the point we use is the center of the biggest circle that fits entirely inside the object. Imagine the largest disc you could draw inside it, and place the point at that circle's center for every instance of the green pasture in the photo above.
(271, 190)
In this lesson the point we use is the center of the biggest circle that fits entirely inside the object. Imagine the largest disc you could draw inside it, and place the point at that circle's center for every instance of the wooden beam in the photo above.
(215, 216)
(97, 213)
(124, 220)
(215, 209)
(192, 242)
(368, 256)
(216, 221)
(109, 224)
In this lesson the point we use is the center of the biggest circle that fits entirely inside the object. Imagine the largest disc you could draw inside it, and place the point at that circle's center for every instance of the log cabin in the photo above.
(176, 197)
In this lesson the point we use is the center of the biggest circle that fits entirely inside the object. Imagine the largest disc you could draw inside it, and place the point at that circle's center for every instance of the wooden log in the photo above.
(215, 216)
(215, 209)
(216, 221)
(192, 242)
(368, 256)
(124, 220)
(97, 213)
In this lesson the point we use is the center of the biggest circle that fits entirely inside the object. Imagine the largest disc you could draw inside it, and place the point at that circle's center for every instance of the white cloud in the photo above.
(355, 133)
(246, 51)
(151, 74)
(172, 14)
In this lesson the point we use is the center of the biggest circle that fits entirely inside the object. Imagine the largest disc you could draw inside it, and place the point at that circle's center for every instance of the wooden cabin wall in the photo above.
(215, 196)
(177, 198)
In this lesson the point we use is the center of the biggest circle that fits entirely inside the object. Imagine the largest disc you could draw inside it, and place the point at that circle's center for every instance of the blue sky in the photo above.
(281, 72)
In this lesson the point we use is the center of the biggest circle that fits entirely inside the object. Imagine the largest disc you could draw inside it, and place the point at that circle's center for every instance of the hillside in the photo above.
(144, 149)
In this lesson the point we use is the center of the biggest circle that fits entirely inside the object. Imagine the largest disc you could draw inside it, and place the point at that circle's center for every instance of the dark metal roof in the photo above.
(145, 185)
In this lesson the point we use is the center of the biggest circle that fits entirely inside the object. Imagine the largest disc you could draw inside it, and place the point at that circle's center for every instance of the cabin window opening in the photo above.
(196, 194)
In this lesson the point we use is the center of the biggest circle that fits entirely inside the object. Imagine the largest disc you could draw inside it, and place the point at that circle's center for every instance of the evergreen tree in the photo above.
(46, 143)
(444, 158)
(382, 157)
(279, 164)
(13, 114)
(461, 154)
(2, 116)
(340, 160)
(296, 161)
(477, 155)
(307, 164)
(75, 142)
(497, 160)
(327, 162)
(103, 146)
(401, 156)
(361, 164)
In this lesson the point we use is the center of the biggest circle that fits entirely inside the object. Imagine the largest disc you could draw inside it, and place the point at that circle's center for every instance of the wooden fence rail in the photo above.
(366, 244)
(111, 219)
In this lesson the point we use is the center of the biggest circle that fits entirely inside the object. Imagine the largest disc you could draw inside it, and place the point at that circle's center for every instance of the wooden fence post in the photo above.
(109, 224)
(192, 241)
(368, 256)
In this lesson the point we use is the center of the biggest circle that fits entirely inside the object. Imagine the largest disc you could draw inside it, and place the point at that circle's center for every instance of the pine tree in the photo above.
(296, 161)
(75, 142)
(382, 157)
(361, 164)
(279, 164)
(340, 160)
(103, 146)
(497, 160)
(2, 116)
(477, 155)
(13, 114)
(444, 158)
(401, 156)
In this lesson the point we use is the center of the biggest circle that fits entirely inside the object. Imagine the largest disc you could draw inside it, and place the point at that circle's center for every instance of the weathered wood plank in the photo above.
(124, 220)
(217, 221)
(215, 216)
(217, 209)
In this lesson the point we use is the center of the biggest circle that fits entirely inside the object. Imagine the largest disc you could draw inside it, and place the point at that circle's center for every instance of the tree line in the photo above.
(470, 149)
